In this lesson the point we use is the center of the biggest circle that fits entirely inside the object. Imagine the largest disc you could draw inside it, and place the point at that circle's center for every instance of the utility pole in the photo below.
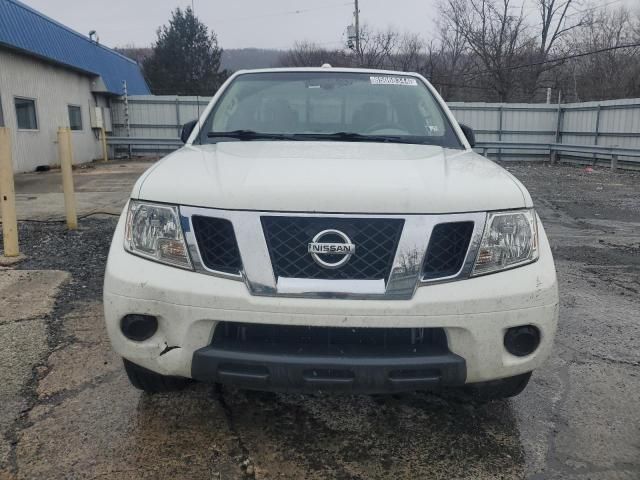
(357, 15)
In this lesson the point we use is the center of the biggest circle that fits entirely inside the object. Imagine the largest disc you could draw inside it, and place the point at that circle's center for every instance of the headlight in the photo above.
(153, 231)
(510, 239)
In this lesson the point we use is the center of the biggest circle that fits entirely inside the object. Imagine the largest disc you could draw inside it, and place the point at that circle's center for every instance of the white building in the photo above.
(51, 77)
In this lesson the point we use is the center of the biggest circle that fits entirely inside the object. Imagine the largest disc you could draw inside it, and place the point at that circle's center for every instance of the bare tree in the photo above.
(376, 47)
(410, 55)
(513, 56)
(556, 22)
(495, 33)
(307, 54)
(487, 51)
(613, 73)
(448, 60)
(558, 18)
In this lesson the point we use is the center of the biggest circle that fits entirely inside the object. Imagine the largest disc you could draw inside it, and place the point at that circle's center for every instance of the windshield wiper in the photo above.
(339, 136)
(251, 135)
(357, 137)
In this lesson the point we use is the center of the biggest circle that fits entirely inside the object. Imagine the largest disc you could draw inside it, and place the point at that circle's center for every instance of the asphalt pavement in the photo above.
(68, 410)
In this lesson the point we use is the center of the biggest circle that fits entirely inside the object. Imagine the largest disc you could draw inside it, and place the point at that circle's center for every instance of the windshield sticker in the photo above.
(410, 82)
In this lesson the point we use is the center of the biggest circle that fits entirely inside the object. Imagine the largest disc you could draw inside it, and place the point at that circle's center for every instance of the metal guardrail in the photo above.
(130, 141)
(561, 147)
(612, 122)
(553, 149)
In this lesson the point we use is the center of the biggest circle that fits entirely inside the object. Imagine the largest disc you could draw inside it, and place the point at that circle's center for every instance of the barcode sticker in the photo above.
(410, 82)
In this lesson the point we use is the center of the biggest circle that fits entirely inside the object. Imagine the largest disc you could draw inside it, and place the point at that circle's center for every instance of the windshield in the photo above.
(329, 105)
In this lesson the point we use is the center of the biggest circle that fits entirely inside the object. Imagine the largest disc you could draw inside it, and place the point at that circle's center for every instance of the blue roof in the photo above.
(24, 29)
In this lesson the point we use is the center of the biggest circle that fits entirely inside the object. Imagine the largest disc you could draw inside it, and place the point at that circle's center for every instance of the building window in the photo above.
(75, 117)
(26, 113)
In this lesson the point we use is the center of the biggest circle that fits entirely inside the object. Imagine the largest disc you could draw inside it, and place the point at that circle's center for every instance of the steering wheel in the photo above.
(385, 126)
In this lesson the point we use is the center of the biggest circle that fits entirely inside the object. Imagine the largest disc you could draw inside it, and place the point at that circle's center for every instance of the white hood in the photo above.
(332, 177)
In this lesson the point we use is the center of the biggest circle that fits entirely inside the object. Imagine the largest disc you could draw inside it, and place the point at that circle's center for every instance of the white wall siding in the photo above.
(53, 89)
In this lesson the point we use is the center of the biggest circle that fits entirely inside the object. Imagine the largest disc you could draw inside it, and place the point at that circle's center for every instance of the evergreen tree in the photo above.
(185, 59)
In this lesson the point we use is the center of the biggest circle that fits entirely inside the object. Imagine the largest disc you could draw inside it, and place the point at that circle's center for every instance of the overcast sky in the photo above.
(247, 23)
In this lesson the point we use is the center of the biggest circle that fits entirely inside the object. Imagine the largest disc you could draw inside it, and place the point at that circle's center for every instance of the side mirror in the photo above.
(468, 132)
(187, 128)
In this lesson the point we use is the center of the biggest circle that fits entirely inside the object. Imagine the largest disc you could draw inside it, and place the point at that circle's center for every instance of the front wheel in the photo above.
(500, 389)
(152, 382)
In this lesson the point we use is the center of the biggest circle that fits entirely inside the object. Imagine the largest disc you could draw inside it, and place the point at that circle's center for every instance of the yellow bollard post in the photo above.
(65, 148)
(8, 197)
(105, 154)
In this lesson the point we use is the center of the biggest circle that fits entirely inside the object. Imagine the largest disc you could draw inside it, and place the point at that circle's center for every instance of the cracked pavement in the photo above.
(69, 412)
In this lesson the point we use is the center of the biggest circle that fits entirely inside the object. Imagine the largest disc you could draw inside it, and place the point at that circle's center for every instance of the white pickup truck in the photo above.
(330, 229)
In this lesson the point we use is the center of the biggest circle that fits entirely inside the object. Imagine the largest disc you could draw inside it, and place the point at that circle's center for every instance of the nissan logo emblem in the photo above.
(342, 250)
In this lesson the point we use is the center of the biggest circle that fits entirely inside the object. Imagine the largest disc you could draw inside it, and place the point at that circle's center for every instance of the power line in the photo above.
(289, 12)
(591, 9)
(544, 62)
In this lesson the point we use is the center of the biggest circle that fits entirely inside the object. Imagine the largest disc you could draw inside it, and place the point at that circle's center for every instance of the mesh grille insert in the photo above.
(447, 249)
(376, 240)
(301, 340)
(217, 243)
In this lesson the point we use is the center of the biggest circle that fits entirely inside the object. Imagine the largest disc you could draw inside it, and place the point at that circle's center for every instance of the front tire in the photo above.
(152, 382)
(500, 389)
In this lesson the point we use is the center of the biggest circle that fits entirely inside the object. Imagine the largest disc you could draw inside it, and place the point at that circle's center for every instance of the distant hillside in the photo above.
(232, 59)
(135, 53)
(242, 58)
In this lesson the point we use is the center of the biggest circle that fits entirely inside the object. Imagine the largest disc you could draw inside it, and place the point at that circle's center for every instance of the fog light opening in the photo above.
(139, 327)
(522, 341)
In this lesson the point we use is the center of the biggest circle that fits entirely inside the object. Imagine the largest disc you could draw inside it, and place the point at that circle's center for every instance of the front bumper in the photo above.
(309, 373)
(474, 314)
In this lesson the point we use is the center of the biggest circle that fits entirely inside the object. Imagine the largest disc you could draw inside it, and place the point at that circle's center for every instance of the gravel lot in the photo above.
(578, 419)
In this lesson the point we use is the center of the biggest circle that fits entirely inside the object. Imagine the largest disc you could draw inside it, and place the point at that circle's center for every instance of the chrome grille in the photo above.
(409, 266)
(376, 241)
